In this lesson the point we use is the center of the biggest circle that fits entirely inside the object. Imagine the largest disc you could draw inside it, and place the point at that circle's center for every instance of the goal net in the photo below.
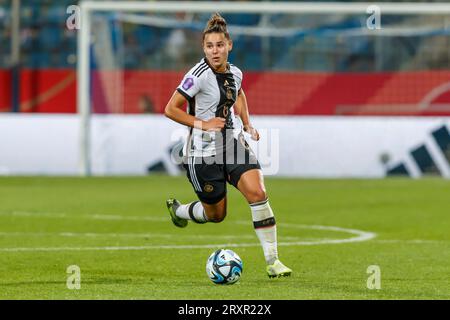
(326, 59)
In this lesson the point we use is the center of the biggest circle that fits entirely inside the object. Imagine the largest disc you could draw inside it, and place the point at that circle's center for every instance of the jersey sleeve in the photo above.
(190, 85)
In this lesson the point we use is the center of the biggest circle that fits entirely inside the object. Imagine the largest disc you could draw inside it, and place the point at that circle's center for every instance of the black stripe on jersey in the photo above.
(199, 67)
(184, 94)
(190, 100)
(191, 103)
(191, 111)
(227, 86)
(201, 70)
(215, 72)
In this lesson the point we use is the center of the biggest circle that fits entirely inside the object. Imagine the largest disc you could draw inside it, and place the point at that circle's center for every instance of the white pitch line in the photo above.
(137, 235)
(82, 216)
(206, 246)
(412, 241)
(157, 247)
(359, 235)
(362, 236)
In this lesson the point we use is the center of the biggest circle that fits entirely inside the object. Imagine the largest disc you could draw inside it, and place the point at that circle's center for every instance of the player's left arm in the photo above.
(241, 108)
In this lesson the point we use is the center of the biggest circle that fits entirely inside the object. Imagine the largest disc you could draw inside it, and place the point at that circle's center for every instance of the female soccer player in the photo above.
(216, 152)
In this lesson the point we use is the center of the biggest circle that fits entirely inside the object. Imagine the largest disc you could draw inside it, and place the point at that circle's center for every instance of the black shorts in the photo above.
(209, 175)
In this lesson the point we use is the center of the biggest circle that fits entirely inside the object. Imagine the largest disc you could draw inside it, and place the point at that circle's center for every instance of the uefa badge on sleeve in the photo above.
(188, 83)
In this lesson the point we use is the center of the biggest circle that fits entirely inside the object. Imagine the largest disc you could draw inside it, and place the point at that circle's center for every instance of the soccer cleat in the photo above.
(172, 205)
(277, 270)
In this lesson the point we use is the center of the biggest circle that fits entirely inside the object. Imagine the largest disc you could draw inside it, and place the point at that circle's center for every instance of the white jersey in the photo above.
(210, 94)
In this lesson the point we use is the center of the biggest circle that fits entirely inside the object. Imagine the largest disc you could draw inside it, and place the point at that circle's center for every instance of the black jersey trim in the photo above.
(191, 103)
(199, 67)
(191, 111)
(184, 94)
(200, 72)
(215, 72)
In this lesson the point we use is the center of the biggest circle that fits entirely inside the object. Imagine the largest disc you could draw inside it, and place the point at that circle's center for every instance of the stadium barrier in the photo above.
(320, 147)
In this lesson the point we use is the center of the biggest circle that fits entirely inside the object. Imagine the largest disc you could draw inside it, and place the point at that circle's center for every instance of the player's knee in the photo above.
(217, 219)
(257, 195)
(217, 216)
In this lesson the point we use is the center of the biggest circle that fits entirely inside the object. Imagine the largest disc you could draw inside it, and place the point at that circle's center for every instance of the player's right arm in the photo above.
(175, 112)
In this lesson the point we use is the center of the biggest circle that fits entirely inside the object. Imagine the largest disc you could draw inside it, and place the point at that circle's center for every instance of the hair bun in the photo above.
(217, 20)
(216, 24)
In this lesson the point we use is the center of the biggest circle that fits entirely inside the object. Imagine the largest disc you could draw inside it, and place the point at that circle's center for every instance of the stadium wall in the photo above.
(269, 93)
(322, 147)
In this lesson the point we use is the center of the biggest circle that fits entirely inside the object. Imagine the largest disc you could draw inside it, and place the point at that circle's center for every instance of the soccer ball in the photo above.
(224, 267)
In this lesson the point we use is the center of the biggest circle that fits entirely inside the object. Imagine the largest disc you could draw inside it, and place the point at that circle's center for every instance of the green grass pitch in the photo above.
(118, 232)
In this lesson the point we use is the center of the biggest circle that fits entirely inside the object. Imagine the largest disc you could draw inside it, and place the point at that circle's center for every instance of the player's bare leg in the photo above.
(251, 185)
(198, 212)
(216, 212)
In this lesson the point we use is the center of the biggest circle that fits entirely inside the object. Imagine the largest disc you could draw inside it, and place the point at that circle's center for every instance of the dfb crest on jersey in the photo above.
(229, 94)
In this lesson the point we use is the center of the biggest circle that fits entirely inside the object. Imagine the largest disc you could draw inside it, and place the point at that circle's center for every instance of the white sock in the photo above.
(266, 229)
(192, 211)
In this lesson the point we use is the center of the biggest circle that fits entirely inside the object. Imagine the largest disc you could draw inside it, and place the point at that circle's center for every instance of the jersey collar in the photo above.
(226, 71)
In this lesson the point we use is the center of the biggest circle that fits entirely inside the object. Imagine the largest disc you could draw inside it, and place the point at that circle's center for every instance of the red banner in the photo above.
(276, 93)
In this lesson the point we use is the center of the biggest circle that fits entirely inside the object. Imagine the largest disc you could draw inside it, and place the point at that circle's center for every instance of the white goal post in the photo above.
(89, 7)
